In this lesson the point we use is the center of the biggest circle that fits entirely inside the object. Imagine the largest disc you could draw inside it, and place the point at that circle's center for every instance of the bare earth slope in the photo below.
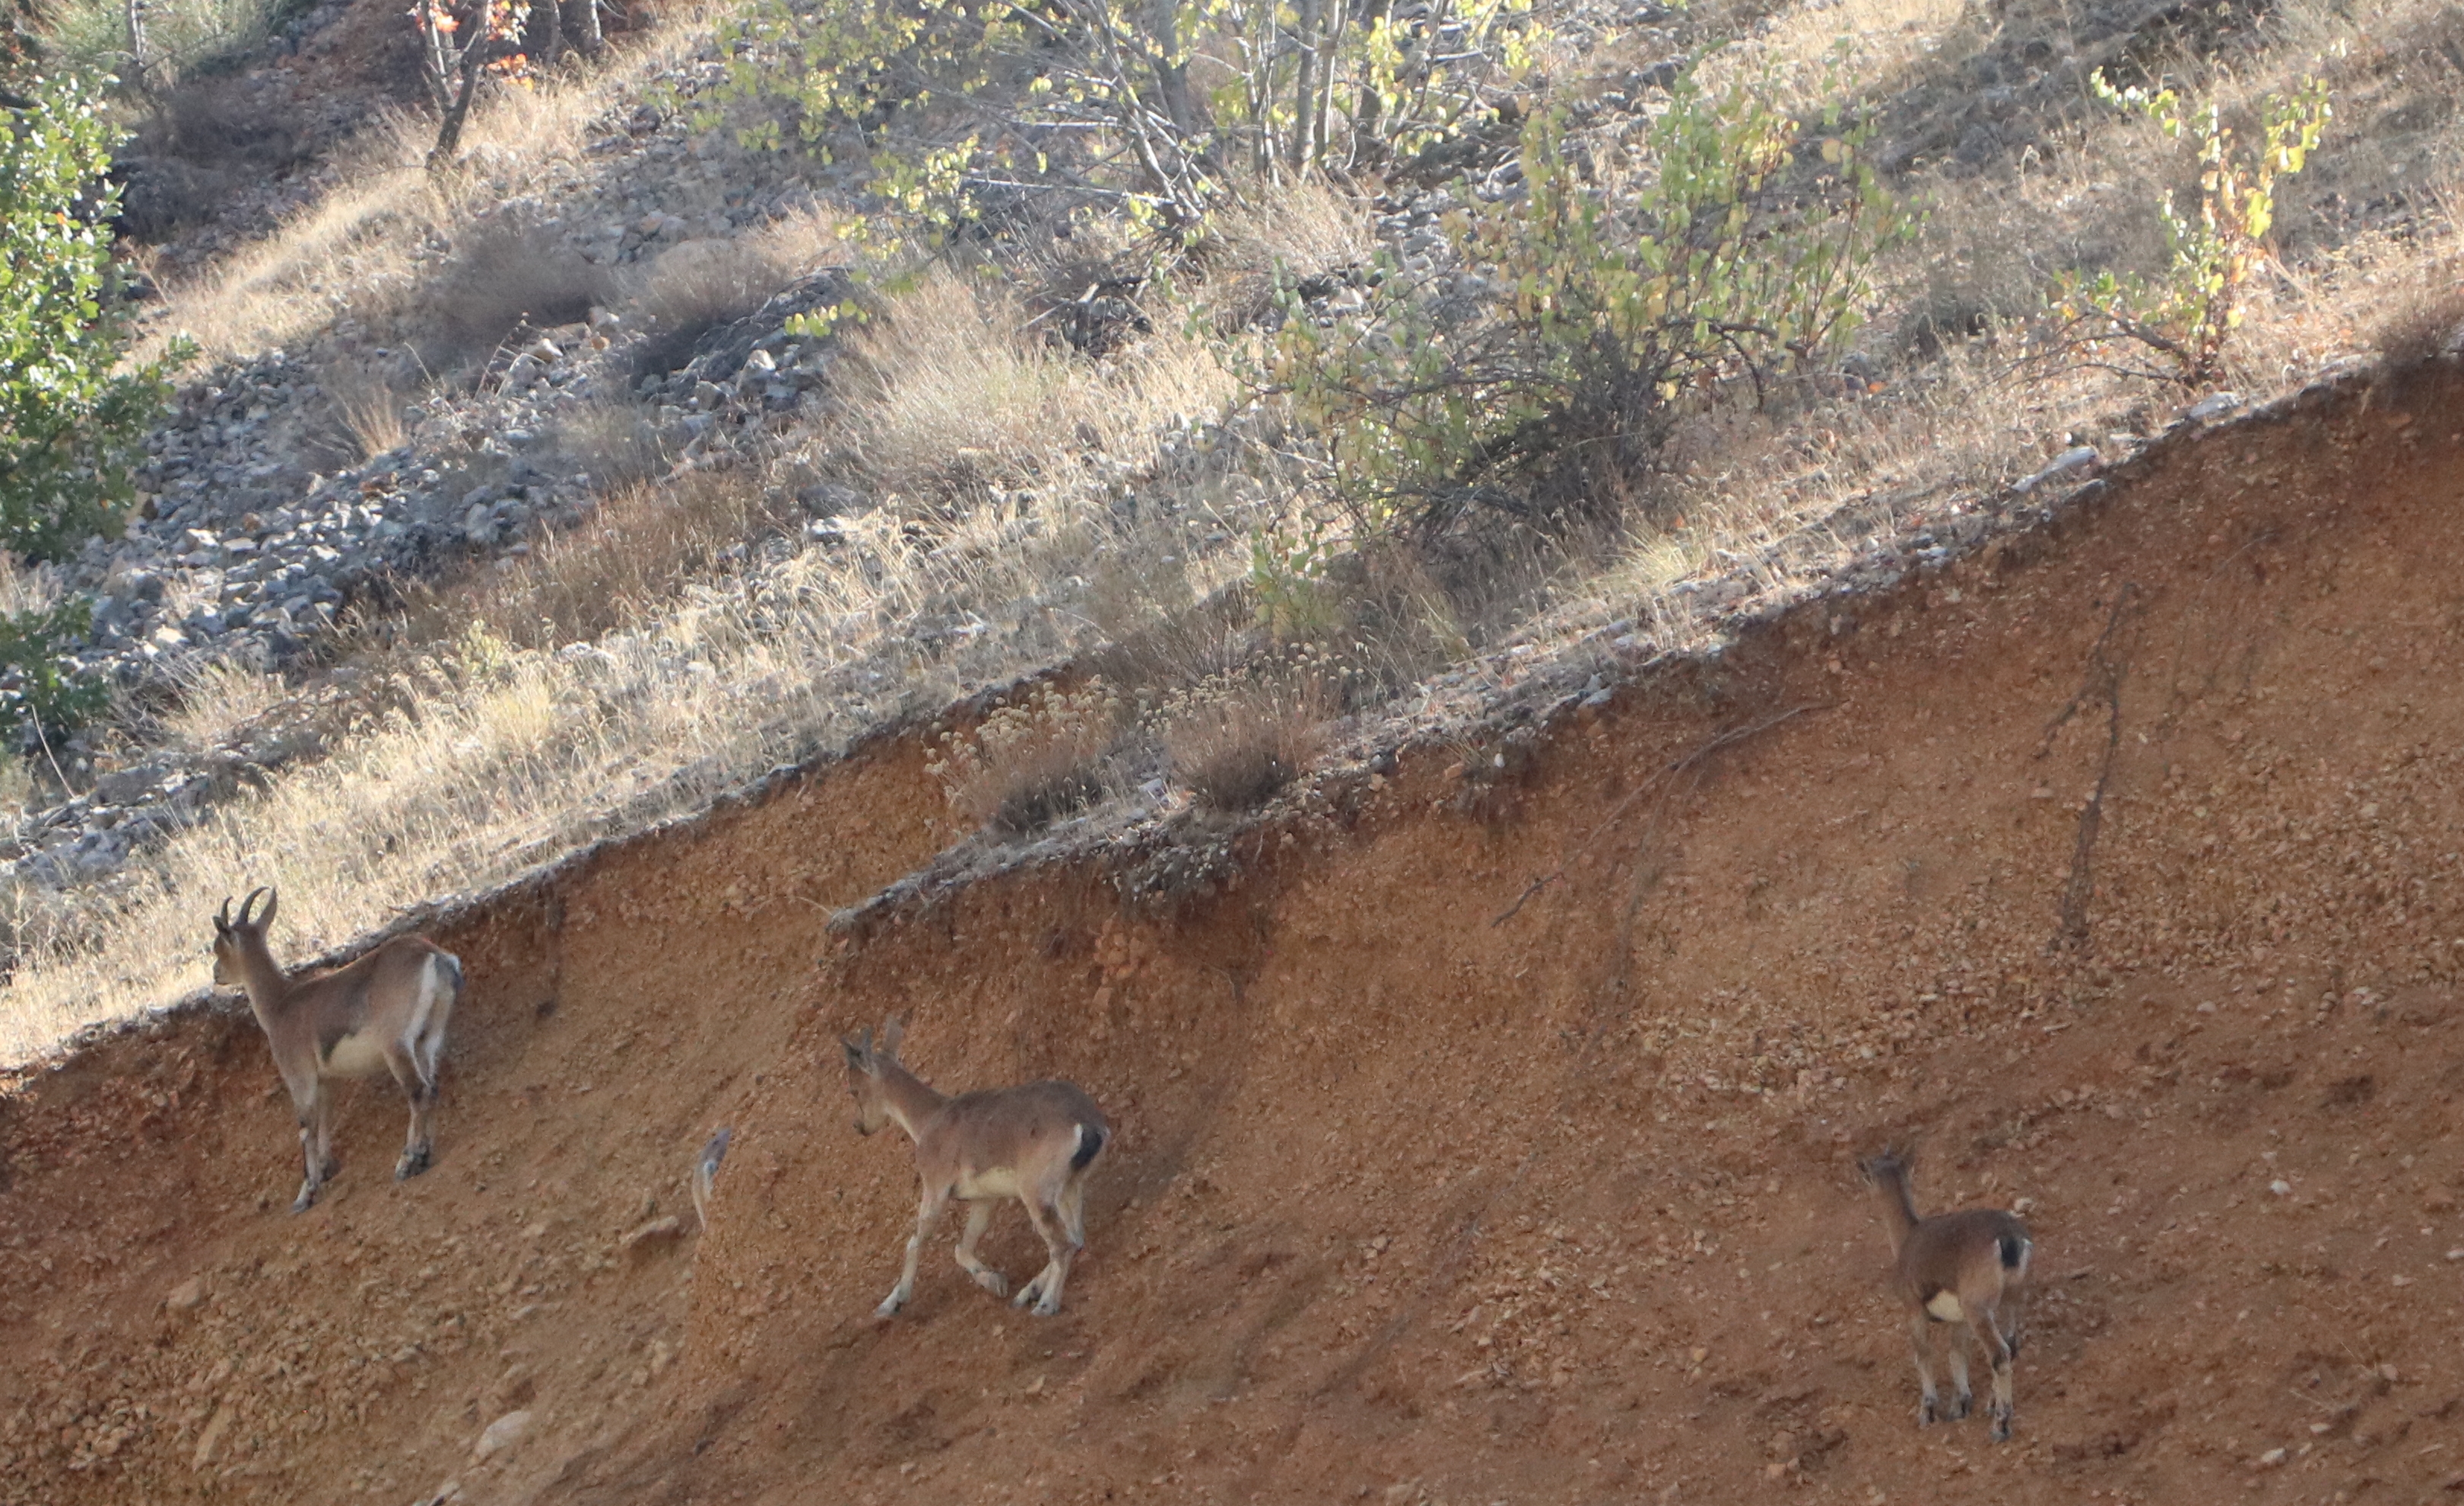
(2117, 868)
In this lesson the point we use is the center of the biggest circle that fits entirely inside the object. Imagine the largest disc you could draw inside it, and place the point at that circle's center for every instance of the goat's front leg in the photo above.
(1921, 1344)
(928, 1212)
(316, 1146)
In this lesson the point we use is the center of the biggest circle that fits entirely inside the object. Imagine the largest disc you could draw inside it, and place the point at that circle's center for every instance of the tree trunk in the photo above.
(1364, 119)
(136, 47)
(555, 49)
(448, 131)
(593, 43)
(1313, 17)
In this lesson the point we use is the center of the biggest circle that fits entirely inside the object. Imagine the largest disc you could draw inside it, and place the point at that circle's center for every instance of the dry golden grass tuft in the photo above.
(621, 566)
(701, 286)
(949, 392)
(217, 697)
(1234, 743)
(366, 412)
(502, 280)
(1029, 763)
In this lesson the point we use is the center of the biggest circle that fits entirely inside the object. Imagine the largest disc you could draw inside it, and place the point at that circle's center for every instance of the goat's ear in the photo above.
(892, 1032)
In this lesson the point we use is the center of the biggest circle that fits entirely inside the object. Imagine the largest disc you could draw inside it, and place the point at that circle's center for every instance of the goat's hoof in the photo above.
(1961, 1406)
(993, 1281)
(1928, 1412)
(888, 1308)
(411, 1165)
(306, 1200)
(1046, 1308)
(2001, 1427)
(1032, 1292)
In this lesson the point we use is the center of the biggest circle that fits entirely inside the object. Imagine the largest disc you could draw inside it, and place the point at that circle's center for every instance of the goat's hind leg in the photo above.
(420, 1088)
(1045, 1291)
(2001, 1352)
(979, 1215)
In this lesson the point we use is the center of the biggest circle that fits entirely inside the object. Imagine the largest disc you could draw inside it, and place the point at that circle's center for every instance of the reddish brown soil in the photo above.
(1409, 1203)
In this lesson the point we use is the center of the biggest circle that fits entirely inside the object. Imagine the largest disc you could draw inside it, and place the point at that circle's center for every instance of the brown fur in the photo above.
(383, 1012)
(1969, 1266)
(1036, 1142)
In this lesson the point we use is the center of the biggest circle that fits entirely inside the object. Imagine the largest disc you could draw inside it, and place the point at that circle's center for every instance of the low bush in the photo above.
(1604, 298)
(1236, 737)
(1031, 763)
(505, 277)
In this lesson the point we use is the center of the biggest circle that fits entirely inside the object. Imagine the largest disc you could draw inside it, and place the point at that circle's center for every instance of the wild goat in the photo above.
(383, 1012)
(1967, 1266)
(1034, 1143)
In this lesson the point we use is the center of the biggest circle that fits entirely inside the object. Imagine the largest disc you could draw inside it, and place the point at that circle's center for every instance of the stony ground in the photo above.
(2115, 867)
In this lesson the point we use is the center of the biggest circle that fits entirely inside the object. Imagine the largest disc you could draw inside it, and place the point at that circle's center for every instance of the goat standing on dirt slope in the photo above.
(383, 1012)
(1967, 1266)
(1034, 1143)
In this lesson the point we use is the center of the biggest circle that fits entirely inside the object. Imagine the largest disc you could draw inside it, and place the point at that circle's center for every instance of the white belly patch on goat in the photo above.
(1944, 1305)
(993, 1181)
(360, 1056)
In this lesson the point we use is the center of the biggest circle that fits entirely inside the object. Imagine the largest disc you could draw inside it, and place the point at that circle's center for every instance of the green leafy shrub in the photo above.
(1592, 314)
(70, 423)
(39, 688)
(2180, 317)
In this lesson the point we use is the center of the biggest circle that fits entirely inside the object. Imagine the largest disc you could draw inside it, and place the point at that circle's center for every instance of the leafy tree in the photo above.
(1147, 105)
(70, 423)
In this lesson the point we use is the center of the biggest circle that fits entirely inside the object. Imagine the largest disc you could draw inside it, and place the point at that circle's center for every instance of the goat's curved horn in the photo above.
(248, 905)
(272, 898)
(222, 921)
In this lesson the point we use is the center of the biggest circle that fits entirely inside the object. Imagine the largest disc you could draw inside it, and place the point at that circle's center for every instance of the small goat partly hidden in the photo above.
(1969, 1266)
(383, 1012)
(1034, 1143)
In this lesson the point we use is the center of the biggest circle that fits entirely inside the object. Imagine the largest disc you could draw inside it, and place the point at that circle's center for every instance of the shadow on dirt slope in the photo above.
(2116, 868)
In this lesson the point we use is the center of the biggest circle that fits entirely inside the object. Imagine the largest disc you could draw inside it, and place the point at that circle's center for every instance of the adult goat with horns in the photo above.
(383, 1013)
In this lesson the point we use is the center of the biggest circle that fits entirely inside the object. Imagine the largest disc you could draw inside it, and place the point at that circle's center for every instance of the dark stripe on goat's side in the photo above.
(1089, 1147)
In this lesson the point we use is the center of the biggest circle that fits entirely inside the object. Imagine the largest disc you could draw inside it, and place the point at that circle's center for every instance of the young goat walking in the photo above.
(1034, 1143)
(1967, 1266)
(381, 1012)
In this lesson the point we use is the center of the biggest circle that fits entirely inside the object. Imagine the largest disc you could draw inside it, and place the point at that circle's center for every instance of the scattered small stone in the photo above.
(501, 1435)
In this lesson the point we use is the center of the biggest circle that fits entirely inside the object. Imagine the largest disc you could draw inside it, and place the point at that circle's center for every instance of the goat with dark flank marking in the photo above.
(1969, 1266)
(1034, 1143)
(384, 1012)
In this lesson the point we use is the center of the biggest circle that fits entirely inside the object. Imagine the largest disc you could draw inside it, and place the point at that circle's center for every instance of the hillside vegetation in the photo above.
(793, 369)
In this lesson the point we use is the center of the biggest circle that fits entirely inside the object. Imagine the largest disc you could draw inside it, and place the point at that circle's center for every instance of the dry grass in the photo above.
(217, 697)
(503, 278)
(615, 443)
(949, 393)
(1234, 743)
(1031, 763)
(366, 411)
(701, 286)
(623, 565)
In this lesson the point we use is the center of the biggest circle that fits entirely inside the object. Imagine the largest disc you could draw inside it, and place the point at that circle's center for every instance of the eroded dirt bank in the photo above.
(2118, 868)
